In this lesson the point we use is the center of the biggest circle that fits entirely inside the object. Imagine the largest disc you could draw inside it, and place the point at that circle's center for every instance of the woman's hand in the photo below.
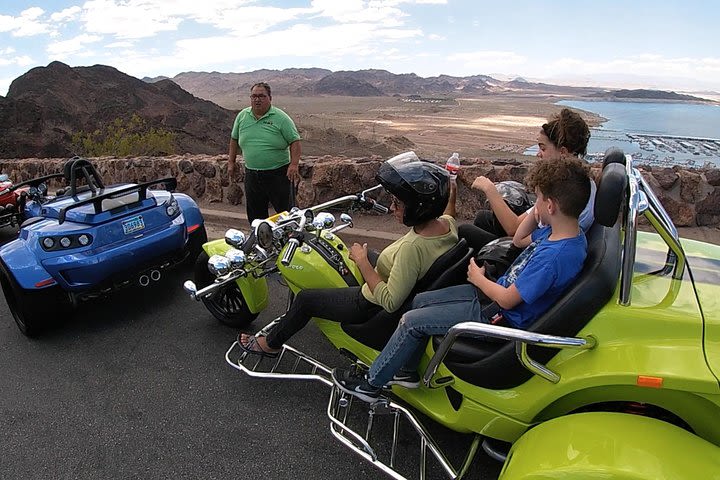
(359, 253)
(483, 184)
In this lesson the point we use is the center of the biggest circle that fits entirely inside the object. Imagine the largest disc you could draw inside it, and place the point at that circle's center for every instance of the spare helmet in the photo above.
(516, 196)
(497, 256)
(423, 187)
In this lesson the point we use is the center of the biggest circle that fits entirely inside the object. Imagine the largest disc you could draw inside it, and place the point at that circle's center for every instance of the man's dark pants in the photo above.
(263, 186)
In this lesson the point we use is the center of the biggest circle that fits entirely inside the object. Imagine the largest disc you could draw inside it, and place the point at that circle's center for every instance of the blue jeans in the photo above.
(433, 313)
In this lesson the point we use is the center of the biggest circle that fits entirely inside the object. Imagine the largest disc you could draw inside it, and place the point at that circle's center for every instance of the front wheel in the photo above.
(228, 304)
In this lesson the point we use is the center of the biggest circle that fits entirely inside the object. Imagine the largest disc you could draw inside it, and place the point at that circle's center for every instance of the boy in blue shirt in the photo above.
(534, 281)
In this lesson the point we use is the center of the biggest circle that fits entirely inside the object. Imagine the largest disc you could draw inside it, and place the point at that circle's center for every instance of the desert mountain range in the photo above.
(47, 105)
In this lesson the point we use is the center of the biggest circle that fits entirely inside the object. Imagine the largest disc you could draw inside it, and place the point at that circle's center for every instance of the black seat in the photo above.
(495, 365)
(449, 269)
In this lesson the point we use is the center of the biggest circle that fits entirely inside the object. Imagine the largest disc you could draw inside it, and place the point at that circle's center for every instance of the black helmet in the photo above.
(516, 196)
(423, 187)
(497, 256)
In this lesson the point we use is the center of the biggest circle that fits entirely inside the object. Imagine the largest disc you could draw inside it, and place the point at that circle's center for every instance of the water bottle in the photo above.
(453, 165)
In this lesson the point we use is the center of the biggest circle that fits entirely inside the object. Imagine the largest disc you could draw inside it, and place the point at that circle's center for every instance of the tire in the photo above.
(227, 305)
(195, 242)
(32, 309)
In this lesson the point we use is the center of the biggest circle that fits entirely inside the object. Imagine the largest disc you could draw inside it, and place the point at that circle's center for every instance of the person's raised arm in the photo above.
(450, 208)
(505, 216)
(527, 226)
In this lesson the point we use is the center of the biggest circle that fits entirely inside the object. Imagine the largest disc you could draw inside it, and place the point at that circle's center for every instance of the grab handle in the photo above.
(287, 257)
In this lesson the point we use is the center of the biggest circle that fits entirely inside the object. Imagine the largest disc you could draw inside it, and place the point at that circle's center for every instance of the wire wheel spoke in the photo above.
(230, 300)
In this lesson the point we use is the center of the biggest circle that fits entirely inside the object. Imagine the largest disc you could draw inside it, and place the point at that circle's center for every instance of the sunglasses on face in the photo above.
(255, 96)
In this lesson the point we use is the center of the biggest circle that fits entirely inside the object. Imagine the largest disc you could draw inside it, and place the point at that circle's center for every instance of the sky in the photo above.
(668, 45)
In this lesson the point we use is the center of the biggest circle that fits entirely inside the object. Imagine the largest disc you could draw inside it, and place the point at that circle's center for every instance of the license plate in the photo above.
(133, 224)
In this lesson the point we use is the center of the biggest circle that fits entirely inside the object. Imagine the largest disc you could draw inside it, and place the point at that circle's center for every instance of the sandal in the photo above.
(253, 347)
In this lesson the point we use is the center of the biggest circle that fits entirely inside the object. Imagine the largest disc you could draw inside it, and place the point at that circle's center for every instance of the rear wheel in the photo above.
(195, 242)
(32, 309)
(228, 304)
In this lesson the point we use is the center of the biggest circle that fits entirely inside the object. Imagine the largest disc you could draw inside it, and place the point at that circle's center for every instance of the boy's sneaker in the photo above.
(406, 379)
(356, 384)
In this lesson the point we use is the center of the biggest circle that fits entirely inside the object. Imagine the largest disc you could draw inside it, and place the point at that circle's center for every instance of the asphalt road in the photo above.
(136, 386)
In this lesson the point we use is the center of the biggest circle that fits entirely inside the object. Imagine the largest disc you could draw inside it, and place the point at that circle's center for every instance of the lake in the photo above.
(656, 133)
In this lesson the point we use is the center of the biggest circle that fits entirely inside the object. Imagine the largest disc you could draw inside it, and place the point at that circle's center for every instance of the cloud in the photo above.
(130, 19)
(66, 15)
(73, 46)
(358, 11)
(26, 25)
(7, 58)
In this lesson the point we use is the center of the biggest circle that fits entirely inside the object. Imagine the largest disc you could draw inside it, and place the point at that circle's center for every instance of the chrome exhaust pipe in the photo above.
(155, 275)
(144, 280)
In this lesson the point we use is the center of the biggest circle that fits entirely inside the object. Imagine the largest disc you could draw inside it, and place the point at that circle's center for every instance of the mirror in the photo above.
(264, 234)
(345, 218)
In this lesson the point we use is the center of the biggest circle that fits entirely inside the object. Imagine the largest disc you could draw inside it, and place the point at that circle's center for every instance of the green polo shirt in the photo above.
(264, 142)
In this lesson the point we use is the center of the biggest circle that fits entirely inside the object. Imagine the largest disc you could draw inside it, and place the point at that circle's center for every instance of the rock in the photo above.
(207, 169)
(690, 186)
(666, 177)
(234, 194)
(713, 177)
(198, 183)
(185, 166)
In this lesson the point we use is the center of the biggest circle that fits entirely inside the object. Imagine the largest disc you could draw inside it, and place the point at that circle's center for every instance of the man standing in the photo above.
(270, 144)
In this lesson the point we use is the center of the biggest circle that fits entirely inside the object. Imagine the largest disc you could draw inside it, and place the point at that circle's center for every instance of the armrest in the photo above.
(522, 339)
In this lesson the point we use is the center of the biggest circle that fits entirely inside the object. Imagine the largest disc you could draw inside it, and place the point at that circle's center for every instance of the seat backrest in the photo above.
(80, 168)
(495, 366)
(449, 269)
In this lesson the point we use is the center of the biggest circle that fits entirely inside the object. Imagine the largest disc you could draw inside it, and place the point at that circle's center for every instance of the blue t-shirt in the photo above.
(541, 274)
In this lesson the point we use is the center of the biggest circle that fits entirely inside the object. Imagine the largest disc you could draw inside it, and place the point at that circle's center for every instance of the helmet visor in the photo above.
(413, 171)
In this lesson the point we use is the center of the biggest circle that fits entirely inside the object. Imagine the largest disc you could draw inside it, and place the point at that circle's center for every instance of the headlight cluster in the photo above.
(233, 259)
(172, 208)
(64, 242)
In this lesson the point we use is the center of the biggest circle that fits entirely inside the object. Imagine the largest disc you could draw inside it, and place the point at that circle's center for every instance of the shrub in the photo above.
(125, 138)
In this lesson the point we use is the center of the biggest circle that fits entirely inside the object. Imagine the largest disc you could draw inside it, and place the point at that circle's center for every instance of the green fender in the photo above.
(254, 290)
(611, 445)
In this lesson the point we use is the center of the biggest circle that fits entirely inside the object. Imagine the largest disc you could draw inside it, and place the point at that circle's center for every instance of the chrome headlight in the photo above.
(325, 220)
(48, 242)
(236, 257)
(65, 242)
(172, 208)
(218, 265)
(83, 239)
(235, 238)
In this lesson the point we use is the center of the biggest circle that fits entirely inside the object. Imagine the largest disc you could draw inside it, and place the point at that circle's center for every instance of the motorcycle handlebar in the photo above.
(380, 208)
(287, 257)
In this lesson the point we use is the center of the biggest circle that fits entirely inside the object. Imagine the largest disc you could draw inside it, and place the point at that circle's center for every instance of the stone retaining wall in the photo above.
(691, 197)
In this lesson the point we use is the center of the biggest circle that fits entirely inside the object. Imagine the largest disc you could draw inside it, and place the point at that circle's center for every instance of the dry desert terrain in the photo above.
(487, 126)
